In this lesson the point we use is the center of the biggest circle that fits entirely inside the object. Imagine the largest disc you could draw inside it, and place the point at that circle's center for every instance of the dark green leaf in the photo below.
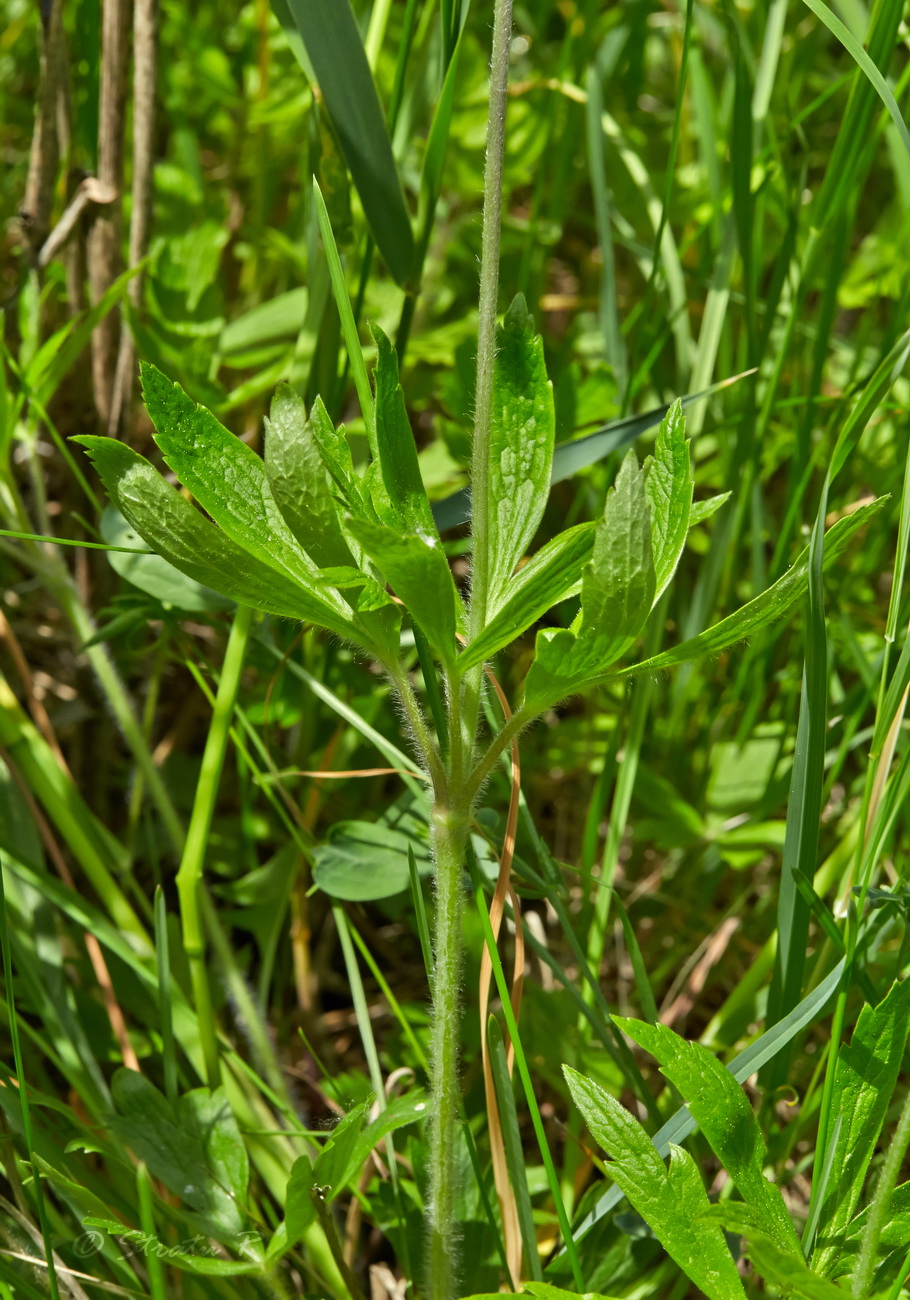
(300, 483)
(719, 1106)
(864, 1080)
(764, 608)
(617, 592)
(669, 491)
(671, 1200)
(418, 572)
(196, 1151)
(188, 541)
(552, 575)
(741, 1067)
(363, 861)
(521, 446)
(335, 50)
(225, 476)
(299, 1210)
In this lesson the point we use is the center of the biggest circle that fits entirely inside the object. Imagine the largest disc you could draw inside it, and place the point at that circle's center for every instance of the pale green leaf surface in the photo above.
(669, 491)
(188, 541)
(151, 573)
(721, 1109)
(671, 1200)
(225, 476)
(703, 510)
(300, 483)
(866, 1073)
(521, 446)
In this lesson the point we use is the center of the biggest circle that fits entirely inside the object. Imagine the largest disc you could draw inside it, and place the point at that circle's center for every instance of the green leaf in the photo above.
(569, 458)
(721, 1109)
(617, 591)
(550, 576)
(511, 1136)
(299, 1210)
(332, 41)
(363, 861)
(671, 1200)
(403, 504)
(151, 573)
(702, 510)
(857, 53)
(764, 1049)
(864, 1080)
(669, 491)
(196, 1149)
(225, 476)
(417, 570)
(336, 455)
(895, 1234)
(764, 608)
(784, 1269)
(521, 446)
(400, 1112)
(278, 319)
(300, 483)
(335, 1164)
(188, 541)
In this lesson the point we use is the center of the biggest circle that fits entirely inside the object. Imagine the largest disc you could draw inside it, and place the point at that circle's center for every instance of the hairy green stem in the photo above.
(189, 877)
(487, 302)
(878, 1211)
(449, 834)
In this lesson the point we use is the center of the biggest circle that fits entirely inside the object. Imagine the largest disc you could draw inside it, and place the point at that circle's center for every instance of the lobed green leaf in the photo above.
(864, 1080)
(669, 491)
(721, 1109)
(671, 1200)
(522, 434)
(403, 503)
(300, 483)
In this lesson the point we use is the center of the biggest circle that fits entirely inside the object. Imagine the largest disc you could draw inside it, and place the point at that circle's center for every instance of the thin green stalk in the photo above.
(157, 1289)
(449, 837)
(487, 302)
(121, 707)
(23, 1094)
(878, 1211)
(189, 877)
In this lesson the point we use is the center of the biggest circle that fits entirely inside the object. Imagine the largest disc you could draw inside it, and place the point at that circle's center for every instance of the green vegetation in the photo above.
(444, 743)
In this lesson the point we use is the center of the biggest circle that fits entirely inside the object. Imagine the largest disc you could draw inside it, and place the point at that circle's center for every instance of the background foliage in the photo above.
(691, 193)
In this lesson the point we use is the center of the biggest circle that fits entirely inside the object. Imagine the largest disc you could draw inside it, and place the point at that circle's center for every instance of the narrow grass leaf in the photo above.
(334, 48)
(512, 1142)
(403, 505)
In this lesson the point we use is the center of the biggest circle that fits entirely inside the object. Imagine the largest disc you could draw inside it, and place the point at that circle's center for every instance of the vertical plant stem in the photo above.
(486, 325)
(189, 877)
(450, 832)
